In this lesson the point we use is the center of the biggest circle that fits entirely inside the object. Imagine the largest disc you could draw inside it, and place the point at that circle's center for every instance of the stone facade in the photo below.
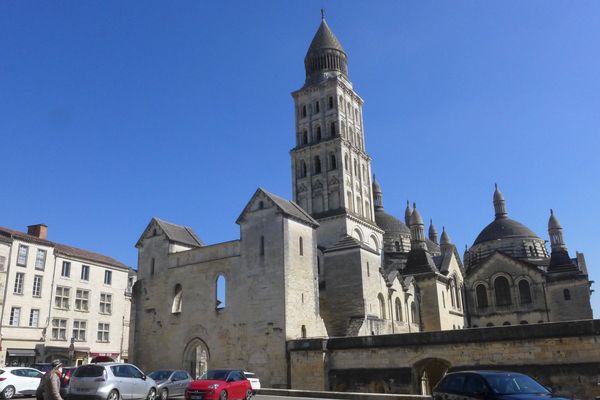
(52, 294)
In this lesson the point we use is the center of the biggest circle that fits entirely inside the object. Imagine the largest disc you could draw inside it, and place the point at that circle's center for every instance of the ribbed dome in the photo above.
(415, 217)
(389, 223)
(325, 57)
(504, 228)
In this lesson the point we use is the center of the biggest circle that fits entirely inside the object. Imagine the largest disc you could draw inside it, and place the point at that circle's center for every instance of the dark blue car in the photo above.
(490, 385)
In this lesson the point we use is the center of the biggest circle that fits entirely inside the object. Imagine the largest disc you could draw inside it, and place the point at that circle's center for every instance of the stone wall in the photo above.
(563, 355)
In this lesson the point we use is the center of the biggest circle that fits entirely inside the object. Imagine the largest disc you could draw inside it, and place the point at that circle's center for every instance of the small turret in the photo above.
(499, 203)
(325, 57)
(445, 242)
(555, 232)
(407, 213)
(432, 232)
(417, 230)
(377, 194)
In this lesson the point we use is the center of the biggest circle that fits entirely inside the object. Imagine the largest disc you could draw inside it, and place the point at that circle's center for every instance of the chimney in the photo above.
(38, 230)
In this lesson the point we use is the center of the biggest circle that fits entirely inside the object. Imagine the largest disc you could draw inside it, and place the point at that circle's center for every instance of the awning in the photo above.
(21, 353)
(106, 354)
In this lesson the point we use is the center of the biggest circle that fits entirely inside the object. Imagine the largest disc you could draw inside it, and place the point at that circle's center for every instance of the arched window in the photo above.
(318, 134)
(302, 169)
(398, 310)
(397, 246)
(458, 296)
(346, 161)
(413, 313)
(355, 168)
(317, 108)
(303, 111)
(330, 102)
(301, 245)
(303, 331)
(220, 298)
(317, 162)
(333, 161)
(502, 289)
(381, 306)
(489, 324)
(482, 300)
(262, 245)
(333, 130)
(506, 323)
(524, 322)
(359, 206)
(567, 294)
(349, 200)
(443, 300)
(452, 293)
(341, 102)
(177, 299)
(305, 137)
(524, 292)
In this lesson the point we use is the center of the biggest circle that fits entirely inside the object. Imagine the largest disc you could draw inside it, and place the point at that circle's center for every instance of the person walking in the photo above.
(49, 387)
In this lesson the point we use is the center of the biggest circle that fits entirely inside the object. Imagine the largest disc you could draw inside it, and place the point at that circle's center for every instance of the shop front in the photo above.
(20, 357)
(78, 356)
(104, 357)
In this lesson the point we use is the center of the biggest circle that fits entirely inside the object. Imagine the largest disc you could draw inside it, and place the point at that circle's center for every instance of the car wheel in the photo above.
(8, 392)
(113, 395)
(164, 394)
(248, 394)
(223, 395)
(151, 394)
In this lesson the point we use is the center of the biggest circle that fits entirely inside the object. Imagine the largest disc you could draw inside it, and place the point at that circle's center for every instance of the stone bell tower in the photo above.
(331, 169)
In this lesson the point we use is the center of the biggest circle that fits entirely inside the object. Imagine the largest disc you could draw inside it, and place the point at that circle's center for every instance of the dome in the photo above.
(390, 224)
(415, 217)
(553, 222)
(325, 57)
(504, 228)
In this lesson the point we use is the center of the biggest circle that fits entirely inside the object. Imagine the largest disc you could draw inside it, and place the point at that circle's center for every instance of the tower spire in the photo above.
(432, 232)
(325, 57)
(417, 229)
(555, 232)
(322, 14)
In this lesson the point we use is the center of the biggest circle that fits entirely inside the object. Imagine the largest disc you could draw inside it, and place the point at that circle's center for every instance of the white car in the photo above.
(19, 381)
(254, 381)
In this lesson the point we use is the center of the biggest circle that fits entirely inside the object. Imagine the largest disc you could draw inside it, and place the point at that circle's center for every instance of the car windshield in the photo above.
(249, 375)
(515, 384)
(89, 371)
(215, 374)
(161, 375)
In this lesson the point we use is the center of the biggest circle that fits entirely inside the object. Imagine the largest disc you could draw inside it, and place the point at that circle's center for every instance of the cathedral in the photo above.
(332, 262)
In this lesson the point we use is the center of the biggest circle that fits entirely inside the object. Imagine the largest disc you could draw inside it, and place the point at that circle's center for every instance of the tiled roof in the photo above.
(179, 233)
(62, 249)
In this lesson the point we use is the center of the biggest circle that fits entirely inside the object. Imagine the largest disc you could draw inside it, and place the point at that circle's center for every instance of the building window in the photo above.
(413, 312)
(220, 291)
(524, 292)
(103, 331)
(59, 329)
(107, 277)
(152, 263)
(346, 161)
(368, 269)
(317, 161)
(333, 161)
(305, 137)
(567, 294)
(66, 269)
(40, 259)
(303, 111)
(397, 246)
(177, 299)
(301, 246)
(105, 303)
(381, 306)
(482, 300)
(317, 108)
(34, 318)
(61, 299)
(22, 257)
(2, 263)
(19, 279)
(15, 316)
(82, 298)
(85, 272)
(333, 130)
(330, 102)
(502, 289)
(303, 331)
(262, 245)
(37, 286)
(398, 310)
(79, 328)
(302, 169)
(318, 134)
(443, 300)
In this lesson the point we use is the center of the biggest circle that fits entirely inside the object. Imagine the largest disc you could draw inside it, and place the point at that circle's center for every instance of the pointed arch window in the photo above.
(330, 102)
(333, 161)
(177, 299)
(502, 291)
(302, 169)
(317, 161)
(381, 306)
(221, 293)
(317, 108)
(303, 331)
(413, 312)
(318, 133)
(482, 300)
(524, 292)
(305, 137)
(303, 111)
(333, 130)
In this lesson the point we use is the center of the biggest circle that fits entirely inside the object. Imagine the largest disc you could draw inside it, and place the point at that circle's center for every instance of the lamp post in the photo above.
(71, 351)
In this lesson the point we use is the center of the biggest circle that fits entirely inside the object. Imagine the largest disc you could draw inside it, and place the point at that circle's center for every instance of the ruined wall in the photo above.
(563, 355)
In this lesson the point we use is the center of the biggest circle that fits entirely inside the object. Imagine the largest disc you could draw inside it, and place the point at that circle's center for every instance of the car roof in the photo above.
(12, 368)
(486, 372)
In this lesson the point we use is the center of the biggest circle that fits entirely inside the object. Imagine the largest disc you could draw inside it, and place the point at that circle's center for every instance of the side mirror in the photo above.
(548, 388)
(143, 377)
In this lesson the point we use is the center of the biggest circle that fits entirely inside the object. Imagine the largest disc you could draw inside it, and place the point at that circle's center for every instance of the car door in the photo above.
(139, 383)
(33, 379)
(452, 388)
(19, 380)
(123, 381)
(181, 382)
(475, 388)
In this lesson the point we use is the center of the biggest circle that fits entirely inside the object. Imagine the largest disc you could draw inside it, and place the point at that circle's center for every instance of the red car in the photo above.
(220, 384)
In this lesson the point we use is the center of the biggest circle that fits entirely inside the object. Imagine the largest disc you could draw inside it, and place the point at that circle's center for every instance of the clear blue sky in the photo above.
(112, 112)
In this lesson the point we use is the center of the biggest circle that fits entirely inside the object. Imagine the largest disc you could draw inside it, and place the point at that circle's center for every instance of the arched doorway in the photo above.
(195, 357)
(428, 372)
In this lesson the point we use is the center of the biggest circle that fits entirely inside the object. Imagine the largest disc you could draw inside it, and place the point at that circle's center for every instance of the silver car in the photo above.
(111, 381)
(170, 382)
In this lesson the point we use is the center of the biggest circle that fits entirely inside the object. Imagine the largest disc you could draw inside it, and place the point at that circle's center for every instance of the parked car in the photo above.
(220, 384)
(170, 382)
(490, 385)
(44, 367)
(15, 381)
(110, 381)
(254, 381)
(65, 381)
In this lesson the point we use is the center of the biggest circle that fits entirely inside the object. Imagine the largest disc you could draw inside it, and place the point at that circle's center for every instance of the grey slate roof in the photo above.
(389, 223)
(324, 39)
(179, 233)
(419, 262)
(348, 242)
(504, 228)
